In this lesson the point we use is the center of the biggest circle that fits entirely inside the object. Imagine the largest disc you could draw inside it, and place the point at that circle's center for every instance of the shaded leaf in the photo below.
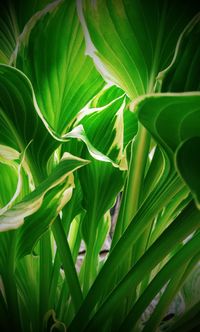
(172, 119)
(13, 16)
(184, 71)
(188, 165)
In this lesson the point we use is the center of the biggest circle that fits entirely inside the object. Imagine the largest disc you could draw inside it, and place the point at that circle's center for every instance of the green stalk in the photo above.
(65, 310)
(164, 220)
(148, 238)
(10, 287)
(54, 279)
(172, 288)
(57, 262)
(179, 259)
(68, 264)
(155, 171)
(153, 204)
(3, 314)
(45, 273)
(90, 265)
(190, 319)
(131, 195)
(91, 257)
(176, 233)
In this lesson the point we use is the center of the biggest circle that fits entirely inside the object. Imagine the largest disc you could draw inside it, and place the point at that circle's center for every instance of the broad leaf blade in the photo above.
(188, 165)
(65, 81)
(184, 71)
(14, 217)
(20, 123)
(14, 14)
(173, 119)
(143, 34)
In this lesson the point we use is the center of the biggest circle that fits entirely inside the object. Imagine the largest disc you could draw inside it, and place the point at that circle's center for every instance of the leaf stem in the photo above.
(131, 196)
(173, 235)
(140, 222)
(11, 288)
(68, 264)
(45, 272)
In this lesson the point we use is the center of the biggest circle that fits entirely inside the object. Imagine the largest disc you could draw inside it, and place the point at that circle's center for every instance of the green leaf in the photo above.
(64, 79)
(13, 16)
(100, 182)
(8, 180)
(106, 96)
(143, 34)
(13, 177)
(138, 225)
(184, 71)
(173, 119)
(20, 122)
(14, 217)
(188, 165)
(190, 289)
(36, 212)
(174, 234)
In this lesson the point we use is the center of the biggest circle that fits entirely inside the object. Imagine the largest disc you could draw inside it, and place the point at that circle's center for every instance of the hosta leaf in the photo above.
(184, 71)
(14, 181)
(110, 127)
(14, 217)
(104, 127)
(20, 124)
(39, 222)
(74, 207)
(173, 119)
(37, 210)
(8, 180)
(64, 79)
(7, 154)
(188, 164)
(106, 96)
(13, 16)
(190, 289)
(100, 182)
(27, 277)
(14, 184)
(132, 41)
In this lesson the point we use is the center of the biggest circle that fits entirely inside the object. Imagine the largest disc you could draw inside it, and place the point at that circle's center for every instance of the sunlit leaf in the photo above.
(64, 79)
(20, 124)
(14, 217)
(143, 34)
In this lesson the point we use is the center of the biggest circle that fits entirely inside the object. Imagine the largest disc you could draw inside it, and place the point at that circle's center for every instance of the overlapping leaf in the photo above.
(172, 119)
(105, 128)
(20, 124)
(38, 209)
(14, 14)
(188, 164)
(14, 217)
(184, 71)
(51, 52)
(143, 34)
